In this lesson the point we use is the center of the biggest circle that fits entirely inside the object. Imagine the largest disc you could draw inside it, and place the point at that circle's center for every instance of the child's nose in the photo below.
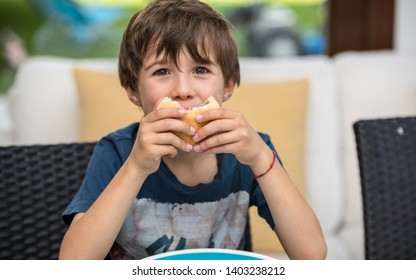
(183, 88)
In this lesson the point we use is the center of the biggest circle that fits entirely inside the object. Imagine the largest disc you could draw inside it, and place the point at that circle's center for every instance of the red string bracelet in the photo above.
(270, 167)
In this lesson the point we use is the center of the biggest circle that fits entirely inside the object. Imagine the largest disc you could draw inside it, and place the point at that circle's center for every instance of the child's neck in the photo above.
(193, 168)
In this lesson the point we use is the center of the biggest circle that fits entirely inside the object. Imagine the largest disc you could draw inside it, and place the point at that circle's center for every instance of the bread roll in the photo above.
(190, 114)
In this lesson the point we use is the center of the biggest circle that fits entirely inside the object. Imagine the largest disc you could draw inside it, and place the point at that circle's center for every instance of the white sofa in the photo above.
(42, 107)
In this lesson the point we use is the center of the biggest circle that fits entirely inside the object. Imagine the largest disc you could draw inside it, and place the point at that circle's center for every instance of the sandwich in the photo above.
(190, 114)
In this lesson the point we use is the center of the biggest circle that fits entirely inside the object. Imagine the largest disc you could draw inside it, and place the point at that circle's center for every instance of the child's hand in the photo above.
(155, 138)
(229, 132)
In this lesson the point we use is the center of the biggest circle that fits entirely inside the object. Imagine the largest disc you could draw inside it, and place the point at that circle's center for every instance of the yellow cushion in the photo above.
(104, 105)
(278, 109)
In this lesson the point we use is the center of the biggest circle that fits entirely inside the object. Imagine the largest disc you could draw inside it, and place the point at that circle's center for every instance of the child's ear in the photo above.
(133, 96)
(228, 90)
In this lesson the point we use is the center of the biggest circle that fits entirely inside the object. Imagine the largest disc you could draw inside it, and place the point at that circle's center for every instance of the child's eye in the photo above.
(161, 72)
(201, 70)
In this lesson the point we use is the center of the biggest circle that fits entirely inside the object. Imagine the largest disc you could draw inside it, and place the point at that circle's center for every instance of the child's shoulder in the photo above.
(118, 143)
(120, 139)
(126, 133)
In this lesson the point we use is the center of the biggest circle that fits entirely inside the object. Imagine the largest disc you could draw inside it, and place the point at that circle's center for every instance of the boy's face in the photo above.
(190, 83)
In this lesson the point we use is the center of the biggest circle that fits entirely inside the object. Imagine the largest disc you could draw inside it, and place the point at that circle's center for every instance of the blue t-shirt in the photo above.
(167, 215)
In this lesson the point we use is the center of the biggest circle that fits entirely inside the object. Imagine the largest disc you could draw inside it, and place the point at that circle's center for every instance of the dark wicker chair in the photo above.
(387, 160)
(36, 184)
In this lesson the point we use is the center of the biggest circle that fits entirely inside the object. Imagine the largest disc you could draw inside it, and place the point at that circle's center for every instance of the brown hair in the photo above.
(168, 26)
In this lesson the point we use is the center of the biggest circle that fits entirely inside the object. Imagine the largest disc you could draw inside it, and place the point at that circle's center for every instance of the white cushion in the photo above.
(5, 122)
(372, 85)
(353, 237)
(44, 104)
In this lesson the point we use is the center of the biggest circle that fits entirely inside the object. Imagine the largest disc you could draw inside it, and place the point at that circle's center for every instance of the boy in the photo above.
(148, 191)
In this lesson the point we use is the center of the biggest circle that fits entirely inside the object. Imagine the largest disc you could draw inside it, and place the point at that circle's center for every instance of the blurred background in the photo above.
(93, 28)
(263, 28)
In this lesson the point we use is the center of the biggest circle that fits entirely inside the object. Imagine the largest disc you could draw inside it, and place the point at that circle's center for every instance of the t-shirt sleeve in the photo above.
(103, 165)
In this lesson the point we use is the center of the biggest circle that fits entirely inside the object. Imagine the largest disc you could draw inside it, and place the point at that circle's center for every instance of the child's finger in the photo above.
(214, 127)
(164, 113)
(218, 141)
(215, 114)
(175, 125)
(174, 141)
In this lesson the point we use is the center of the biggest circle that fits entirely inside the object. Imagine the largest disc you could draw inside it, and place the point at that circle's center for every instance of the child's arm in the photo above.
(91, 234)
(296, 225)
